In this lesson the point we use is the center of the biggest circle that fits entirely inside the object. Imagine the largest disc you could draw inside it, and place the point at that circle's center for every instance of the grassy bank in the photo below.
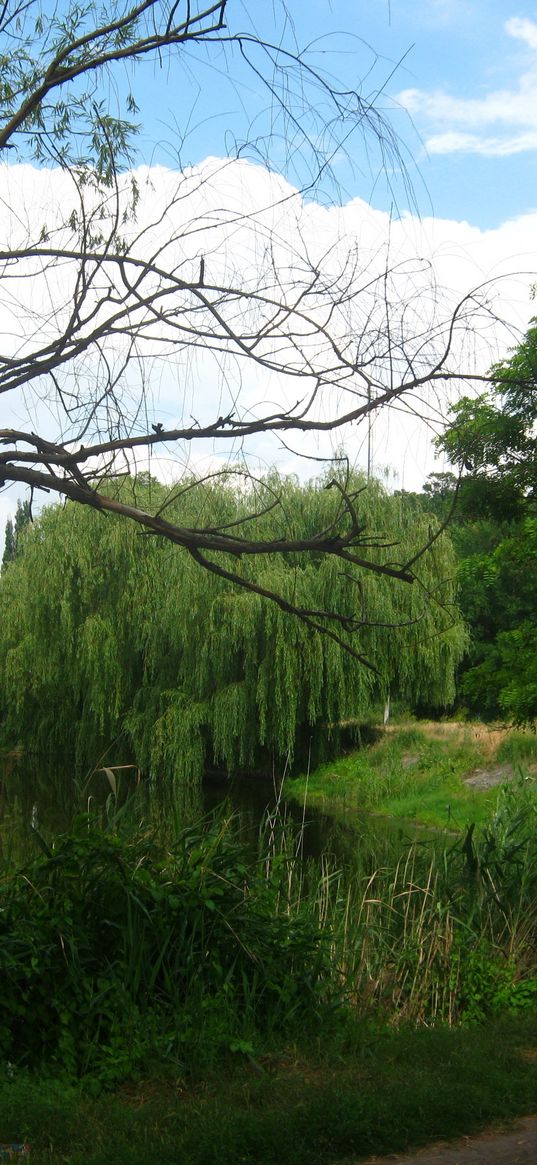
(417, 772)
(120, 950)
(343, 1097)
(169, 995)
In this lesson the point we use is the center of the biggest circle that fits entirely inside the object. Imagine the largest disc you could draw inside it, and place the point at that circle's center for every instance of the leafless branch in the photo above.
(128, 287)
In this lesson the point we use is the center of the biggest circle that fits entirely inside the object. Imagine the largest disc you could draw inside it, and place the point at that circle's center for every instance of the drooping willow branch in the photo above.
(341, 546)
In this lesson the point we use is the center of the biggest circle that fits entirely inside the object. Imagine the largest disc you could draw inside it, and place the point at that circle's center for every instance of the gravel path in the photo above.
(518, 1146)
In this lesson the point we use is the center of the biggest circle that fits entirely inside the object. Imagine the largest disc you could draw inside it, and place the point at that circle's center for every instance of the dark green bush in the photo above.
(112, 950)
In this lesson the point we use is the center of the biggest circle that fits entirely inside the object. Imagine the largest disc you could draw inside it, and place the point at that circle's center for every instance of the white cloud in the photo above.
(252, 226)
(466, 143)
(512, 112)
(523, 29)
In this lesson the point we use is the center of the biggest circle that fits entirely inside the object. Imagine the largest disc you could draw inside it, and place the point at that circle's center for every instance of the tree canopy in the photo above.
(492, 441)
(497, 595)
(115, 642)
(492, 437)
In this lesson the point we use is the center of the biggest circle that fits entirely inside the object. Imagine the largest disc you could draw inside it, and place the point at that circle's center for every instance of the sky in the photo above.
(457, 80)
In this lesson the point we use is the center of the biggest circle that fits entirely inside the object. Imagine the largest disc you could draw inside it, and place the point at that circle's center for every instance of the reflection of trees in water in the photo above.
(316, 833)
(32, 795)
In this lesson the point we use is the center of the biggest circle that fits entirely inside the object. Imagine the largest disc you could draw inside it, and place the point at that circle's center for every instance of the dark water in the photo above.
(317, 832)
(31, 803)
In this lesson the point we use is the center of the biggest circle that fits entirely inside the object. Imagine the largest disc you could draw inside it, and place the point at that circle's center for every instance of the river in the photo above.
(31, 804)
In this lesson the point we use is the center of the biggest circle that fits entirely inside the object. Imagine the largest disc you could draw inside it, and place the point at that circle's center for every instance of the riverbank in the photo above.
(444, 775)
(180, 997)
(343, 1097)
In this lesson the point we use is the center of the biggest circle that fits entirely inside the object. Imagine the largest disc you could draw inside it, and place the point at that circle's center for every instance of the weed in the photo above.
(361, 1089)
(114, 953)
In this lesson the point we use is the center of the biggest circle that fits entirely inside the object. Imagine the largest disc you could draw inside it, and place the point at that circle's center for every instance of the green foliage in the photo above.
(113, 640)
(122, 952)
(115, 952)
(9, 543)
(14, 531)
(447, 935)
(118, 954)
(52, 73)
(477, 501)
(518, 748)
(497, 595)
(443, 928)
(488, 984)
(492, 438)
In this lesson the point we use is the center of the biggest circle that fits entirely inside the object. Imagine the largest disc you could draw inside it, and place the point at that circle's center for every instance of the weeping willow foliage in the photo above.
(114, 641)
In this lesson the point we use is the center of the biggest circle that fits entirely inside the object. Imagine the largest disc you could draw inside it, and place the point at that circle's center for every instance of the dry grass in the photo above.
(487, 736)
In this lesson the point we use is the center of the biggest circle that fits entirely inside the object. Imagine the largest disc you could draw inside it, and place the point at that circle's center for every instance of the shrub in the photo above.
(113, 951)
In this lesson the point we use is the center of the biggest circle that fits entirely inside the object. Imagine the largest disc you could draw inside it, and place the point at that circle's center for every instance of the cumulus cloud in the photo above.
(463, 125)
(522, 29)
(254, 230)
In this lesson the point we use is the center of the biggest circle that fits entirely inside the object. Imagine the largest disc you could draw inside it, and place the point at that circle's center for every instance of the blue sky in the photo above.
(458, 78)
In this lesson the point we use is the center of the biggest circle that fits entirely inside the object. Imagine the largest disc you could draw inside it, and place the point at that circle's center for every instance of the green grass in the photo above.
(360, 1091)
(182, 999)
(416, 773)
(518, 748)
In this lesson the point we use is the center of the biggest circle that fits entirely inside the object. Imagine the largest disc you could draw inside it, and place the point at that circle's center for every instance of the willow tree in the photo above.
(116, 281)
(114, 644)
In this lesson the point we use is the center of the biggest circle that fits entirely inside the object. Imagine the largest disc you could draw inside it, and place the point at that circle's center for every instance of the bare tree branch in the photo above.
(125, 288)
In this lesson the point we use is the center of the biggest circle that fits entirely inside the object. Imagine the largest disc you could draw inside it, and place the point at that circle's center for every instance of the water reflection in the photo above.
(318, 833)
(31, 802)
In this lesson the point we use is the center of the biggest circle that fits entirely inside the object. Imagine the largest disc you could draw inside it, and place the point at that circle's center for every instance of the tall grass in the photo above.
(441, 934)
(123, 948)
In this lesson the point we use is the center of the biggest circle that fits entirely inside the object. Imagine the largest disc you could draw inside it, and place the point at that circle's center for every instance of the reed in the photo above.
(437, 933)
(123, 946)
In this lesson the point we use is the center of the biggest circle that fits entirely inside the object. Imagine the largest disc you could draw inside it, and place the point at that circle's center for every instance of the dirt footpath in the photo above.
(518, 1146)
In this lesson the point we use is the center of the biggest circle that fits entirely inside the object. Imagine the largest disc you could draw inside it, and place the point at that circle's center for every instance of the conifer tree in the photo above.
(14, 530)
